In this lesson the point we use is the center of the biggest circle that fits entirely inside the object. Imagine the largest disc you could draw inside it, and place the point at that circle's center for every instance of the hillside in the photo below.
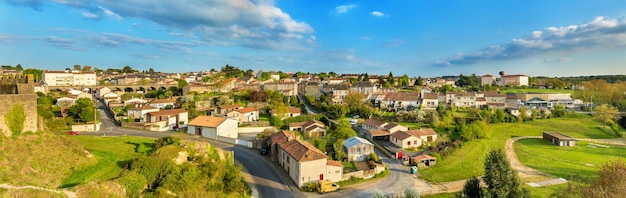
(42, 159)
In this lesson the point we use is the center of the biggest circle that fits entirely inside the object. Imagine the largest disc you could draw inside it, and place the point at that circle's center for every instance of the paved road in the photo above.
(261, 173)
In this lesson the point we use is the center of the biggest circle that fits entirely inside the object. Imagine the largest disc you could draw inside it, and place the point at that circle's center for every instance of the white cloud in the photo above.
(257, 24)
(109, 13)
(342, 9)
(89, 15)
(377, 14)
(600, 33)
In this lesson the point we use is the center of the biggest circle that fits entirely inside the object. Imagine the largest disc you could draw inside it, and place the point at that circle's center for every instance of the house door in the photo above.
(321, 177)
(198, 131)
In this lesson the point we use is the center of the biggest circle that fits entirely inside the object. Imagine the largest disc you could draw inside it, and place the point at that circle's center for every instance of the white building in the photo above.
(69, 78)
(212, 127)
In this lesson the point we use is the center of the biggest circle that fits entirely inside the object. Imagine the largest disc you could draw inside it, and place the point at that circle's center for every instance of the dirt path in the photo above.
(525, 172)
(69, 194)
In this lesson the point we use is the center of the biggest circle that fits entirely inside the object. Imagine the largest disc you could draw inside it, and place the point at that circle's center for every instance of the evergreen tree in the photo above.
(501, 179)
(419, 81)
(472, 188)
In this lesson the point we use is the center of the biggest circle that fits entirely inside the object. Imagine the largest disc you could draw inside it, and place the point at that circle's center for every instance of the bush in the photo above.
(164, 141)
(134, 183)
(309, 187)
(374, 157)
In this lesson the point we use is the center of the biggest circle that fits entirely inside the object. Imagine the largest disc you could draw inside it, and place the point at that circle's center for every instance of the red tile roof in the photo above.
(334, 163)
(246, 110)
(302, 151)
(373, 122)
(282, 137)
(207, 121)
(422, 132)
(162, 101)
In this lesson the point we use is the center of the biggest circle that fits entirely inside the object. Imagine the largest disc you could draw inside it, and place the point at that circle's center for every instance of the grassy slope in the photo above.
(540, 192)
(42, 159)
(564, 162)
(468, 161)
(112, 154)
(538, 91)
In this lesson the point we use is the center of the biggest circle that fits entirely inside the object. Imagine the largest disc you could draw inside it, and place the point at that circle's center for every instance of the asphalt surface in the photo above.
(263, 176)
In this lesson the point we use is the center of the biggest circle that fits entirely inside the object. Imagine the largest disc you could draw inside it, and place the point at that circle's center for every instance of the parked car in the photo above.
(264, 151)
(73, 133)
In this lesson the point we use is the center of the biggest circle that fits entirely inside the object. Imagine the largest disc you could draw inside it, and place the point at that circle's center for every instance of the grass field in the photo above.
(468, 161)
(112, 154)
(569, 91)
(539, 192)
(580, 160)
(412, 125)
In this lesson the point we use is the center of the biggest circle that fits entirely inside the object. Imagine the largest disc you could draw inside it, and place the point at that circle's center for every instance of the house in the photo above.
(213, 127)
(285, 88)
(249, 114)
(135, 101)
(276, 138)
(487, 79)
(430, 100)
(141, 111)
(162, 103)
(412, 138)
(363, 87)
(357, 149)
(66, 101)
(224, 109)
(109, 97)
(398, 101)
(100, 92)
(514, 80)
(559, 139)
(174, 118)
(304, 163)
(372, 124)
(292, 112)
(69, 78)
(311, 128)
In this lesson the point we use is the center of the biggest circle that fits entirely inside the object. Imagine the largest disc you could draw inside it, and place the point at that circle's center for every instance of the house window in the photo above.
(415, 142)
(429, 138)
(409, 143)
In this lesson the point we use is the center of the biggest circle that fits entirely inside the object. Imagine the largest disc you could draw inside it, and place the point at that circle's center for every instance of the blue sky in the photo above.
(420, 38)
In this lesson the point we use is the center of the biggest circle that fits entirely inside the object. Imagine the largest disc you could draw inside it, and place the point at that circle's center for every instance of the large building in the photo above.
(514, 80)
(69, 78)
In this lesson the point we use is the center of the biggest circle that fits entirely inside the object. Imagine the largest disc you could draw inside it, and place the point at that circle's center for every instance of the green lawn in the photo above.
(569, 91)
(468, 161)
(264, 117)
(112, 153)
(565, 162)
(412, 125)
(539, 192)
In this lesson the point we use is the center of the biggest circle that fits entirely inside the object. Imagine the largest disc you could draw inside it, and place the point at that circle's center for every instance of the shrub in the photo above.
(164, 141)
(15, 119)
(134, 183)
(374, 157)
(411, 193)
(309, 187)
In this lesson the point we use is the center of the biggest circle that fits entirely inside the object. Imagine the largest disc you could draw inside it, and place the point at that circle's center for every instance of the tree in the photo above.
(472, 188)
(76, 67)
(344, 129)
(522, 114)
(611, 182)
(366, 77)
(606, 114)
(182, 83)
(559, 110)
(404, 80)
(18, 67)
(390, 79)
(501, 179)
(353, 99)
(419, 81)
(338, 147)
(86, 68)
(127, 69)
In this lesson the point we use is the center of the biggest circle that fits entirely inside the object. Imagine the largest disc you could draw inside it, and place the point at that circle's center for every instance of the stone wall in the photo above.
(25, 96)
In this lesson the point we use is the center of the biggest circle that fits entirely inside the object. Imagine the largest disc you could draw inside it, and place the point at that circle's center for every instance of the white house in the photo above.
(173, 119)
(212, 127)
(248, 114)
(162, 103)
(100, 92)
(412, 138)
(357, 149)
(304, 163)
(140, 112)
(69, 78)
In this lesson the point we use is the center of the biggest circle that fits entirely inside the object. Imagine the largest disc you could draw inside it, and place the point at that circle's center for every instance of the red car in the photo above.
(73, 133)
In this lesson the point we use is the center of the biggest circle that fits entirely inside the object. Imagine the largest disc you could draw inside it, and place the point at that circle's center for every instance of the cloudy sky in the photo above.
(418, 38)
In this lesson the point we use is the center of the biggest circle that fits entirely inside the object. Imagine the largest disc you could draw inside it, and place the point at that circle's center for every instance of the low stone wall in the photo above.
(254, 129)
(86, 127)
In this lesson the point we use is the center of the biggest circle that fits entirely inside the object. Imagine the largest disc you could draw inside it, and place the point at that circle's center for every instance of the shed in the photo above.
(424, 161)
(559, 139)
